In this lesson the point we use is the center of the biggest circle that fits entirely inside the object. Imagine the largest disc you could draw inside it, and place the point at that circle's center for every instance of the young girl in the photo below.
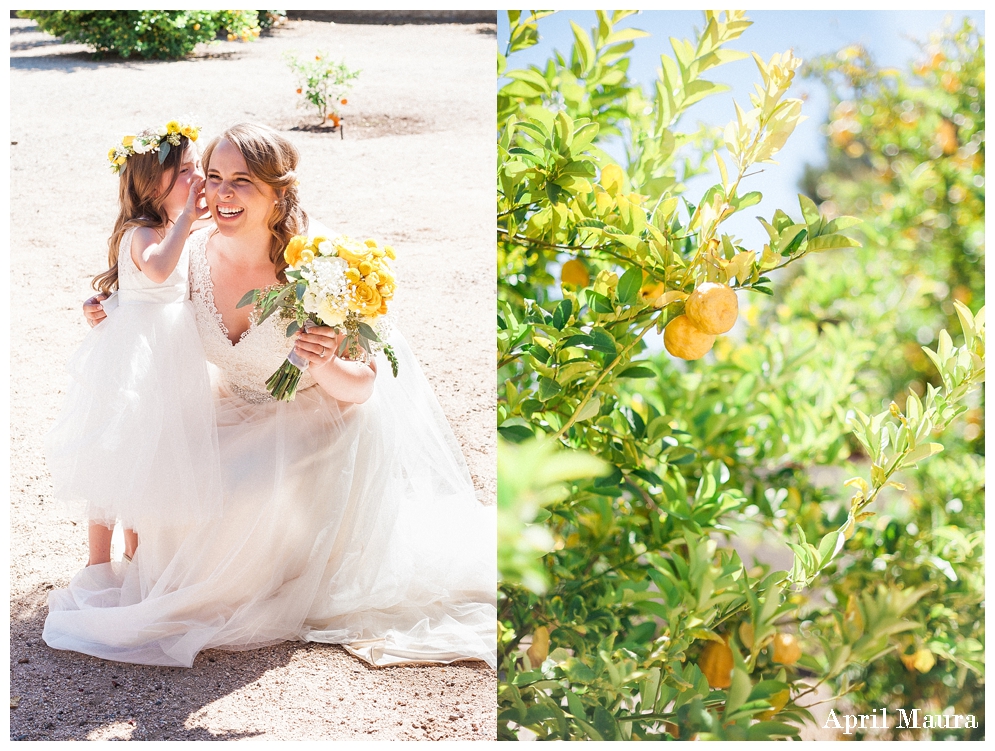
(136, 441)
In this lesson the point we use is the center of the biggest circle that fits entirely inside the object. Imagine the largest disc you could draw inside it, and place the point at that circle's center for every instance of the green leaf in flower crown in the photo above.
(163, 151)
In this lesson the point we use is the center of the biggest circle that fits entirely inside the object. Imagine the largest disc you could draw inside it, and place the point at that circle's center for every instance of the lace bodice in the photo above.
(247, 365)
(134, 286)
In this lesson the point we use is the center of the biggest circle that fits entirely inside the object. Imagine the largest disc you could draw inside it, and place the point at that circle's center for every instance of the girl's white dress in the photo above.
(136, 441)
(349, 524)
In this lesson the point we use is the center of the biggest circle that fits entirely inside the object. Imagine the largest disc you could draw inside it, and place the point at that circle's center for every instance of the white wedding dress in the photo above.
(348, 524)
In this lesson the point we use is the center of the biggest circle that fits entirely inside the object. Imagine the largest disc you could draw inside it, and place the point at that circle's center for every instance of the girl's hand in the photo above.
(195, 198)
(318, 344)
(93, 311)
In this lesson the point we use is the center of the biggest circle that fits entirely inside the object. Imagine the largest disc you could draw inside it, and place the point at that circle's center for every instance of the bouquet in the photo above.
(337, 282)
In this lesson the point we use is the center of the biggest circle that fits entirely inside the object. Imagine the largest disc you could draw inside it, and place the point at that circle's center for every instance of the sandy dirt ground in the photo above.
(414, 169)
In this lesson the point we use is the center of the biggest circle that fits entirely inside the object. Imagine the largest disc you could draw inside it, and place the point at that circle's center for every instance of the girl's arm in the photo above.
(346, 380)
(158, 259)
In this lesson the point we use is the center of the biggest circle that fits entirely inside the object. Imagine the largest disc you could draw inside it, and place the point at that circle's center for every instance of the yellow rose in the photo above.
(172, 127)
(386, 290)
(292, 255)
(186, 130)
(383, 308)
(351, 251)
(318, 240)
(127, 141)
(368, 300)
(193, 135)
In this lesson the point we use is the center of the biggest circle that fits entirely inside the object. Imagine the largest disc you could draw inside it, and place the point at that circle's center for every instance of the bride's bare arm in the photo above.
(345, 380)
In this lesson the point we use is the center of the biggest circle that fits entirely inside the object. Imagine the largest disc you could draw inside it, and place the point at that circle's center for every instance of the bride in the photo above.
(349, 516)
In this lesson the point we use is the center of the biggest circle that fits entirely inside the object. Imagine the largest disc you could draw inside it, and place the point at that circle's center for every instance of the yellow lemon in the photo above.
(684, 340)
(921, 660)
(574, 272)
(715, 664)
(713, 308)
(787, 650)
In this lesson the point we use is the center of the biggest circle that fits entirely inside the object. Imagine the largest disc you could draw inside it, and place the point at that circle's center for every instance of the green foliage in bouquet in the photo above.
(160, 34)
(689, 589)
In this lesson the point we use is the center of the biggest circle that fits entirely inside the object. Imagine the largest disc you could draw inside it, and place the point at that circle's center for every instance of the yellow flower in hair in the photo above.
(187, 131)
(193, 134)
(292, 255)
(121, 160)
(110, 154)
(172, 127)
(127, 141)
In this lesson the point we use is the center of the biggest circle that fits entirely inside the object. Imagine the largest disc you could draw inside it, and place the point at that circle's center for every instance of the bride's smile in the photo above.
(238, 201)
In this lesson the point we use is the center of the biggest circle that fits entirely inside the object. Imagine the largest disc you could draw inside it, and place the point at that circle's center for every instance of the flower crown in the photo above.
(152, 140)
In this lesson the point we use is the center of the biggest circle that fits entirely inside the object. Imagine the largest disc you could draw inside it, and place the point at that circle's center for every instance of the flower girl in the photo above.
(136, 441)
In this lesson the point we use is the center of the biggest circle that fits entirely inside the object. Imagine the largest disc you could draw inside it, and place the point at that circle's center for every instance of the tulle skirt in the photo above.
(136, 441)
(348, 524)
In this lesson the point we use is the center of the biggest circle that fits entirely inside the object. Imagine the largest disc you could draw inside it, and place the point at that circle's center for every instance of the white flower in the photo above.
(330, 313)
(326, 248)
(140, 146)
(162, 130)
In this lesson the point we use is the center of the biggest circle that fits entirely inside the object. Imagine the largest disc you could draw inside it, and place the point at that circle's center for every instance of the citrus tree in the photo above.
(905, 150)
(629, 607)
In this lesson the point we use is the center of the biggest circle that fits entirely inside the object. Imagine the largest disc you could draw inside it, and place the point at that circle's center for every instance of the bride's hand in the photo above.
(318, 344)
(93, 311)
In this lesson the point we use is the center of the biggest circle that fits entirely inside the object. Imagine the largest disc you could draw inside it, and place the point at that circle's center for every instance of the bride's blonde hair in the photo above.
(141, 202)
(273, 159)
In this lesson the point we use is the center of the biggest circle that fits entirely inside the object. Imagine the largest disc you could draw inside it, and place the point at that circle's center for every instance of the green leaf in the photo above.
(163, 151)
(605, 723)
(809, 210)
(923, 451)
(637, 371)
(247, 298)
(548, 388)
(293, 328)
(602, 341)
(629, 284)
(515, 433)
(562, 314)
(367, 331)
(831, 242)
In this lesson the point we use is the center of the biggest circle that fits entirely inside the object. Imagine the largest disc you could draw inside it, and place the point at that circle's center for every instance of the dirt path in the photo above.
(415, 169)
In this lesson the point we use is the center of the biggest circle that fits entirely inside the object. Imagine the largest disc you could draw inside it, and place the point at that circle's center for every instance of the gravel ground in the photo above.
(413, 169)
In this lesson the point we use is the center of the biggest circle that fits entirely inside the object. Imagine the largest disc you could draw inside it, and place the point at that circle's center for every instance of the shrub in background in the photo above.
(322, 84)
(160, 34)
